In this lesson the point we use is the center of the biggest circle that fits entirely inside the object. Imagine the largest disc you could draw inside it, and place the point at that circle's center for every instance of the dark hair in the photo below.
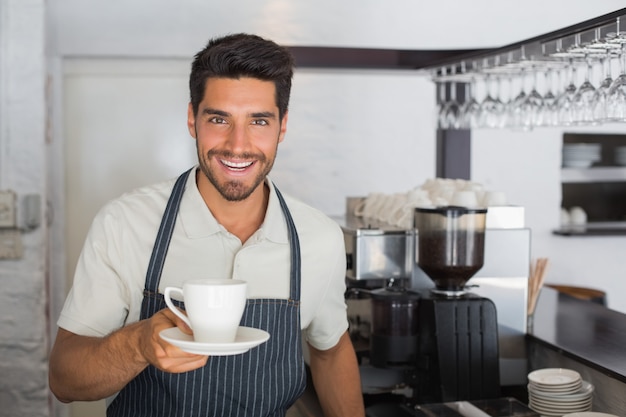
(242, 55)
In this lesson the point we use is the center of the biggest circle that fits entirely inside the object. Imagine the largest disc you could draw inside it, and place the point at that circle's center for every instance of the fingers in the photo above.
(176, 321)
(164, 355)
(175, 360)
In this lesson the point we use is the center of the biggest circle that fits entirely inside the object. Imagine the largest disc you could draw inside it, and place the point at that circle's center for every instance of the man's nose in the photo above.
(238, 137)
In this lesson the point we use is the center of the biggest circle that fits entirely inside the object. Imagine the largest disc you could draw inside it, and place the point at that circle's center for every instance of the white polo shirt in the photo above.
(110, 275)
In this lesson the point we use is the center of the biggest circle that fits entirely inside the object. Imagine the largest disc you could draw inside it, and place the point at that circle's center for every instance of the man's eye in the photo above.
(217, 120)
(260, 122)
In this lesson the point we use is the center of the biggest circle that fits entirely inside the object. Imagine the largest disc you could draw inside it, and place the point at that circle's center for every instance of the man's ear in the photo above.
(283, 127)
(191, 121)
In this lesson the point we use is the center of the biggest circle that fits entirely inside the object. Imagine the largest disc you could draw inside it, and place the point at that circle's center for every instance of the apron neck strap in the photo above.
(294, 244)
(162, 242)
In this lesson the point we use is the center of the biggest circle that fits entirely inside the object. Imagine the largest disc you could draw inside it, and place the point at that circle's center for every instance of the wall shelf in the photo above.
(593, 174)
(593, 229)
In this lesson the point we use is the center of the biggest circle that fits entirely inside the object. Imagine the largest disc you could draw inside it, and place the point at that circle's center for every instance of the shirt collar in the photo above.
(274, 226)
(198, 221)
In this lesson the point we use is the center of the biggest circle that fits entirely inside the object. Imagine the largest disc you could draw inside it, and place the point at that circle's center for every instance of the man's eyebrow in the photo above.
(264, 114)
(216, 112)
(209, 111)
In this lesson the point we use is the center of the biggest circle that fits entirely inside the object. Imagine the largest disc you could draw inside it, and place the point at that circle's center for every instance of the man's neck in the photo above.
(241, 218)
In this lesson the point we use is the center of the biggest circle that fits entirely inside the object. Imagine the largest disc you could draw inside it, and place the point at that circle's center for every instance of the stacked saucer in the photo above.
(580, 155)
(553, 392)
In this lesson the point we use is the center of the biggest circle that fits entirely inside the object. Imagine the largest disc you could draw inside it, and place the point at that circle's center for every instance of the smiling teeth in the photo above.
(237, 165)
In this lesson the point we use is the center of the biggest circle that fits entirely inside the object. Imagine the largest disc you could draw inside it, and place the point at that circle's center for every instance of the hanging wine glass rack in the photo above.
(579, 51)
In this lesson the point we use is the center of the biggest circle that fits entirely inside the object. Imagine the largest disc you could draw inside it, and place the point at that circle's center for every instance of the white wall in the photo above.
(328, 153)
(527, 166)
(163, 29)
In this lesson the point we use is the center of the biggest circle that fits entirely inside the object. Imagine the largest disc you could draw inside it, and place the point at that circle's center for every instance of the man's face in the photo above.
(237, 133)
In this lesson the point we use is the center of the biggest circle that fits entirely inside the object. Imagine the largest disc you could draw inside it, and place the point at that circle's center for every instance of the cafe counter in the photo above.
(568, 332)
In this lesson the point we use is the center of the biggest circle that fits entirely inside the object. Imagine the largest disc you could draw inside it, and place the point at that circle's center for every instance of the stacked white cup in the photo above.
(397, 208)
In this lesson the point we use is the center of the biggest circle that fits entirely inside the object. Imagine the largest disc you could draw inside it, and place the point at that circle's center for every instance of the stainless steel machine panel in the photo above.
(504, 276)
(378, 253)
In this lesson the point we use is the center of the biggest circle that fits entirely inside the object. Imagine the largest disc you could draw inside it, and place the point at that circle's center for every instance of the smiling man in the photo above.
(222, 218)
(237, 140)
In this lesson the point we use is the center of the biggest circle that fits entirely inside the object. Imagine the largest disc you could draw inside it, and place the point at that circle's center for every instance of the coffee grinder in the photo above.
(444, 339)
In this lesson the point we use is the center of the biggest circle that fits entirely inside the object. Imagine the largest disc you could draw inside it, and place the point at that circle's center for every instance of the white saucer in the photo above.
(546, 405)
(559, 403)
(556, 389)
(247, 338)
(554, 377)
(585, 392)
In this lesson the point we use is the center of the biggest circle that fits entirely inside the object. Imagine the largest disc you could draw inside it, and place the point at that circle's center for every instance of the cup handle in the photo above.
(171, 306)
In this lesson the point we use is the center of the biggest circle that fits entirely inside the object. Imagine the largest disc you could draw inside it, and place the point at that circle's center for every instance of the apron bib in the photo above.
(265, 381)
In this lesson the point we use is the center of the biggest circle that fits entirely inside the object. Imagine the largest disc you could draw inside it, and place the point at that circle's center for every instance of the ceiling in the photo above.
(163, 28)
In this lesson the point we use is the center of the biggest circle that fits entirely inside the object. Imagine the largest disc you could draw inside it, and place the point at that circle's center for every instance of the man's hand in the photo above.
(161, 354)
(84, 368)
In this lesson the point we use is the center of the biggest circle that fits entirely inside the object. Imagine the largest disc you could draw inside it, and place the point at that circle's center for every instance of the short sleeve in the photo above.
(98, 301)
(330, 321)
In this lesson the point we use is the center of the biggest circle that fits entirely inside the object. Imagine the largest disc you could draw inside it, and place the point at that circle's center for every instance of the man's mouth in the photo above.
(236, 166)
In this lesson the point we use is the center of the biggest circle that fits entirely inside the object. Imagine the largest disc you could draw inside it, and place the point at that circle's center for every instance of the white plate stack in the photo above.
(554, 392)
(580, 155)
(620, 155)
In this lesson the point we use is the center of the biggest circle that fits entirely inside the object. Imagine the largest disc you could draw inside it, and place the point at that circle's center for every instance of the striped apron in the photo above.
(264, 381)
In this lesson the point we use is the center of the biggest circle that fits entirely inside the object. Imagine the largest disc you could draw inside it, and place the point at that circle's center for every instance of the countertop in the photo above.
(584, 331)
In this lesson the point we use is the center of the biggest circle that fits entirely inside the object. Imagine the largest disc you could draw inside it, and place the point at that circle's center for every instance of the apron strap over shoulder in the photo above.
(162, 242)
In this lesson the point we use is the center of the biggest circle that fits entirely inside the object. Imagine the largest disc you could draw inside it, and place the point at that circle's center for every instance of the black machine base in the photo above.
(456, 356)
(458, 345)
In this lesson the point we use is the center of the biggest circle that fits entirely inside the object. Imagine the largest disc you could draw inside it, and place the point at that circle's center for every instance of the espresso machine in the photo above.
(422, 330)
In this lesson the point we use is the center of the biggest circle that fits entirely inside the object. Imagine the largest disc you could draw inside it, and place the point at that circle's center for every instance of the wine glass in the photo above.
(582, 103)
(601, 94)
(564, 102)
(532, 106)
(515, 111)
(450, 110)
(453, 109)
(491, 110)
(616, 98)
(442, 120)
(470, 108)
(549, 115)
(441, 88)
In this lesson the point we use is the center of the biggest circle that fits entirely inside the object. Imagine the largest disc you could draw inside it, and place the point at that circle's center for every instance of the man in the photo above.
(223, 218)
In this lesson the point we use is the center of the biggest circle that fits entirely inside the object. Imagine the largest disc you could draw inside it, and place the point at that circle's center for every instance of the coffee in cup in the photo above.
(214, 308)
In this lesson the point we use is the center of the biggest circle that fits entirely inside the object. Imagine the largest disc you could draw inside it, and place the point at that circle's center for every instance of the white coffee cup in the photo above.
(494, 198)
(578, 216)
(214, 308)
(417, 196)
(464, 199)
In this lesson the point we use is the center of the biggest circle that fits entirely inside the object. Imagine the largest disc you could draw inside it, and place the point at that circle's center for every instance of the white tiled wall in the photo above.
(23, 294)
